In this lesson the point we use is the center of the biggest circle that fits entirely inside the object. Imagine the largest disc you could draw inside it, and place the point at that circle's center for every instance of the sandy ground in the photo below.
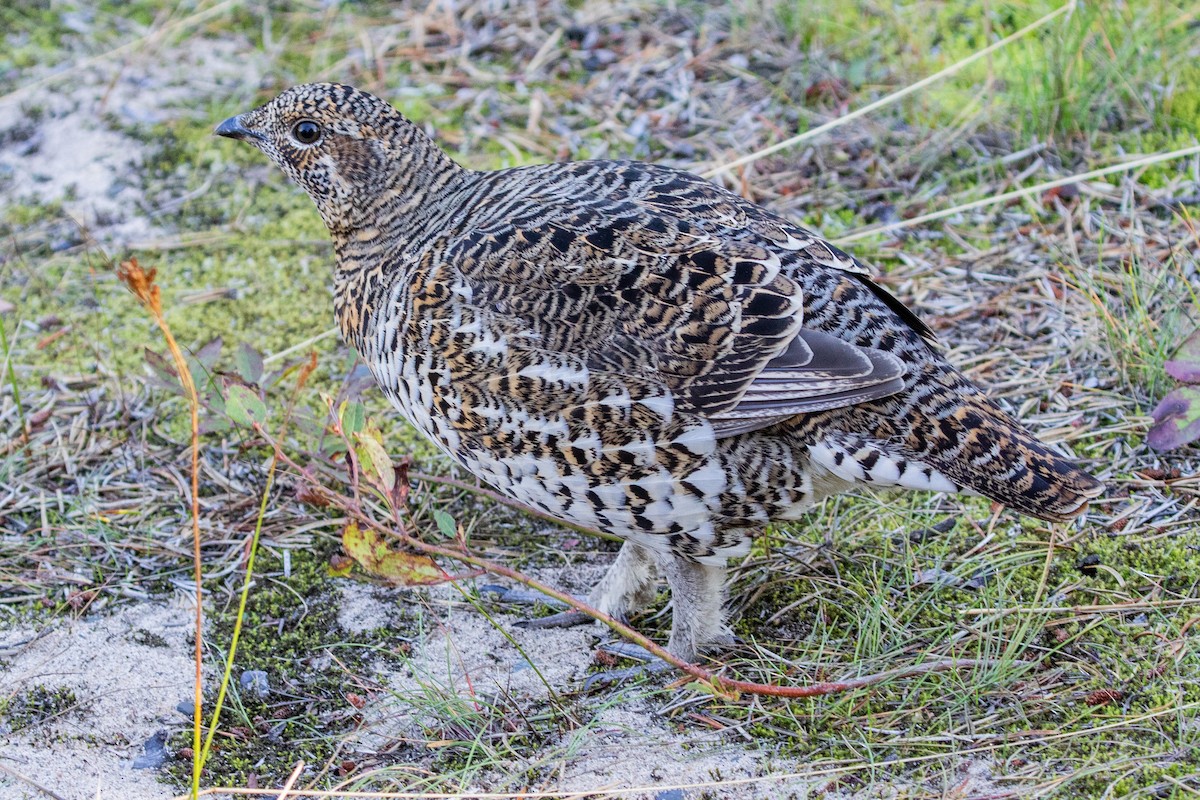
(472, 657)
(126, 686)
(72, 144)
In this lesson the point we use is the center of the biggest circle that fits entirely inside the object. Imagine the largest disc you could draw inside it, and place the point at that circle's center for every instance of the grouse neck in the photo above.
(407, 173)
(366, 257)
(387, 230)
(388, 221)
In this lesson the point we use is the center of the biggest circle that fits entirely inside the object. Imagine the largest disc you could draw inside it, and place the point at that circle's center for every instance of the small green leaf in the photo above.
(201, 374)
(352, 416)
(445, 523)
(374, 458)
(212, 399)
(333, 446)
(243, 406)
(249, 363)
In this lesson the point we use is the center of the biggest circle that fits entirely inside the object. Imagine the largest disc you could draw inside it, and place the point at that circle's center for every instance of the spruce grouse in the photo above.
(634, 349)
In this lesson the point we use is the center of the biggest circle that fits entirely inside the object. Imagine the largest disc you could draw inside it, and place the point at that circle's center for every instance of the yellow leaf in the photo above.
(370, 549)
(374, 458)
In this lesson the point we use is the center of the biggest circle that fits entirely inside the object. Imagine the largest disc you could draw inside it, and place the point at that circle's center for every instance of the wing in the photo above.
(667, 278)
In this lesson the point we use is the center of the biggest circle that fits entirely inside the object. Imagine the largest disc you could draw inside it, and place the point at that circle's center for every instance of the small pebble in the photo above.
(154, 751)
(255, 682)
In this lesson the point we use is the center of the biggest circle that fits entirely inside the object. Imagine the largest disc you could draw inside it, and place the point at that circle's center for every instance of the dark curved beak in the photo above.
(235, 129)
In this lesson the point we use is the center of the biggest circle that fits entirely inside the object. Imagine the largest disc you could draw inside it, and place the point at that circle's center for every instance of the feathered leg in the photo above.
(629, 584)
(626, 588)
(697, 620)
(697, 607)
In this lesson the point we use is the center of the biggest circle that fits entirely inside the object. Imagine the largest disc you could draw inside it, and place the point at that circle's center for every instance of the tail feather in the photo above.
(993, 455)
(948, 436)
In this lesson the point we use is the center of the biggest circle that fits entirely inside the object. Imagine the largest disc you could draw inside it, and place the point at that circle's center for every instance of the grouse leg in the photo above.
(697, 607)
(697, 621)
(627, 587)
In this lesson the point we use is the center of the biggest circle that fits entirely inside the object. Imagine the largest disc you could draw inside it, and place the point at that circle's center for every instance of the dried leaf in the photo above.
(399, 494)
(1184, 366)
(340, 566)
(309, 492)
(1102, 697)
(936, 576)
(141, 283)
(1176, 419)
(371, 551)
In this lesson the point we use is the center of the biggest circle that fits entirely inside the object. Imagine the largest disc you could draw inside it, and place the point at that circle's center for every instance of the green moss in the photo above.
(291, 632)
(35, 705)
(1183, 104)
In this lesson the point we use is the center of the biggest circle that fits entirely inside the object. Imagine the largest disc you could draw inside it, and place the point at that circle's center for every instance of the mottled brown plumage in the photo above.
(632, 348)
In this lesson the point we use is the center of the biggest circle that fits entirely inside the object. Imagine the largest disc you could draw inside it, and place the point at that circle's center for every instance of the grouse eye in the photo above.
(306, 131)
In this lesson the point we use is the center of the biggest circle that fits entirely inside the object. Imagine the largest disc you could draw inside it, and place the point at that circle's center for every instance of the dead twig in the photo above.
(141, 283)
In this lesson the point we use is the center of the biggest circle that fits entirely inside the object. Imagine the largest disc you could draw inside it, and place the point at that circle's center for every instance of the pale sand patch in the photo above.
(629, 745)
(626, 742)
(126, 692)
(627, 739)
(71, 142)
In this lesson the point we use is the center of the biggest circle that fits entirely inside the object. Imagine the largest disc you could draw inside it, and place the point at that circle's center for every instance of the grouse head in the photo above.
(346, 148)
